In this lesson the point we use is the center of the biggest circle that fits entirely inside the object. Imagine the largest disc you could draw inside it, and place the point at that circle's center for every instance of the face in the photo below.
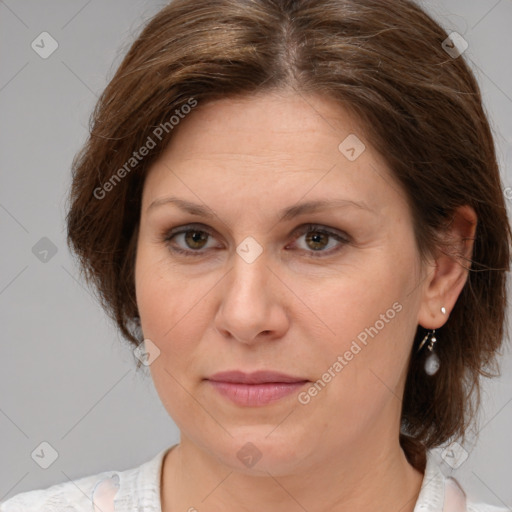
(245, 277)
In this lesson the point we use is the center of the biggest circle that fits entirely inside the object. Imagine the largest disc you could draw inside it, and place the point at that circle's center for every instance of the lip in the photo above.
(258, 377)
(257, 388)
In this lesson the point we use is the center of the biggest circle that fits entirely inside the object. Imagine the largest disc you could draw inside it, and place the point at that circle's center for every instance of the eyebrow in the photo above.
(284, 215)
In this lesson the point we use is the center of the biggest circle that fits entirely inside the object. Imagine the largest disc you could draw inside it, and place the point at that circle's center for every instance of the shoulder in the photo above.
(456, 499)
(440, 493)
(128, 487)
(484, 507)
(72, 496)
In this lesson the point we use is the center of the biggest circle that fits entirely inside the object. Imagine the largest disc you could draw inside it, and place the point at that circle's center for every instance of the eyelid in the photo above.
(310, 226)
(190, 227)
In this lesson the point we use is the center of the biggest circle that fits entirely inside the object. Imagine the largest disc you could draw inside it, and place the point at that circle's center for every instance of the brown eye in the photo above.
(317, 239)
(189, 240)
(196, 239)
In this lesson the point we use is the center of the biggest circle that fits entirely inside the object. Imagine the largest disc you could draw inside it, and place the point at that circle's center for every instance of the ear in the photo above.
(448, 271)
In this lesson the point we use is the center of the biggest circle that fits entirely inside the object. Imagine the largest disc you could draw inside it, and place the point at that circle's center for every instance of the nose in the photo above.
(252, 302)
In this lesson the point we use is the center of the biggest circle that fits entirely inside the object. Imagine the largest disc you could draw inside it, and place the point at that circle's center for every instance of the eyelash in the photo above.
(301, 230)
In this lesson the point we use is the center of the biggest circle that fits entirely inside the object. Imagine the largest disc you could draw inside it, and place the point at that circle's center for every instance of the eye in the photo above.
(317, 240)
(193, 238)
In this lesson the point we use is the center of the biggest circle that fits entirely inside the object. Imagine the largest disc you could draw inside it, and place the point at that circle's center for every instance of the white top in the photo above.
(138, 489)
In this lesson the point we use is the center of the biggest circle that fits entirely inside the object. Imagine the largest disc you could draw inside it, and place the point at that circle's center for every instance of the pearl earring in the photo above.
(432, 363)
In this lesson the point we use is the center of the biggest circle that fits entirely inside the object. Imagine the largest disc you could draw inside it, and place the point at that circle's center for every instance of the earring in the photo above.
(432, 363)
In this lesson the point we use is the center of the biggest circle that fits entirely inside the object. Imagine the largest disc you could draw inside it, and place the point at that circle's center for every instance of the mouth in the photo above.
(255, 389)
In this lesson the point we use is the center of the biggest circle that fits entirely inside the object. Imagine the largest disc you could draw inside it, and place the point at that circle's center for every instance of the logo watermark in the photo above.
(137, 156)
(305, 397)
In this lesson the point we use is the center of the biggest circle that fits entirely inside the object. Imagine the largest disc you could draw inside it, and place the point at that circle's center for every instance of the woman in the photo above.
(293, 212)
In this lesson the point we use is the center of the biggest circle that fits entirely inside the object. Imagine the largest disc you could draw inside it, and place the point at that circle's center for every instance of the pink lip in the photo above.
(259, 377)
(257, 388)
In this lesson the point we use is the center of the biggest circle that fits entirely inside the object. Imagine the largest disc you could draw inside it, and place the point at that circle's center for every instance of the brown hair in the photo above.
(381, 59)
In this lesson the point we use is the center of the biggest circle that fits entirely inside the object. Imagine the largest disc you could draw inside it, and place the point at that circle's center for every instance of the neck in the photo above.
(358, 479)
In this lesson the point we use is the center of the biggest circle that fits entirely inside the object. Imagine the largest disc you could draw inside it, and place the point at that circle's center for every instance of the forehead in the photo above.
(275, 144)
(283, 122)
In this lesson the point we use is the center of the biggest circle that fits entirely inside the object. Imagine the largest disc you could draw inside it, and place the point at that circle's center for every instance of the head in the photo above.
(271, 105)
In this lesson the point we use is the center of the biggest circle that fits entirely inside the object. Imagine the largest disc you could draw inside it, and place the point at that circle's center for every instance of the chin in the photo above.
(261, 450)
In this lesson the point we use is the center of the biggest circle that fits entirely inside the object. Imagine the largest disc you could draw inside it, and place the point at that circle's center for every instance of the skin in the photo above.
(288, 311)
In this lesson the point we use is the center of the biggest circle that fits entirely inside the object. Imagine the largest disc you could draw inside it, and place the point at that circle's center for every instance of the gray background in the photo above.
(65, 376)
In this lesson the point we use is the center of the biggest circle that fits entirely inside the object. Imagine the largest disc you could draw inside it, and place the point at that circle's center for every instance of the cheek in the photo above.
(371, 312)
(169, 304)
(355, 301)
(171, 308)
(366, 361)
